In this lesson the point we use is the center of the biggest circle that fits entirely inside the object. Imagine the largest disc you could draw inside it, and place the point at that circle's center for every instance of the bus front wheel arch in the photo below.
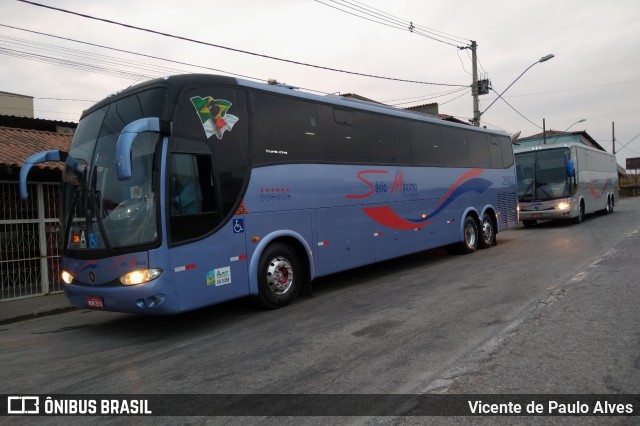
(280, 276)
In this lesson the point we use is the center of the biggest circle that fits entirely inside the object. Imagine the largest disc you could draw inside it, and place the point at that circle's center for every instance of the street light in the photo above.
(476, 120)
(582, 120)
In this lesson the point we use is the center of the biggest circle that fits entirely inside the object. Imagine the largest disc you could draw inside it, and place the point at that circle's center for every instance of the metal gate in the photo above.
(29, 235)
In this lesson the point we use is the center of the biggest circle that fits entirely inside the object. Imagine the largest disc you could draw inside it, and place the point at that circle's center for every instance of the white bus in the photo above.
(564, 181)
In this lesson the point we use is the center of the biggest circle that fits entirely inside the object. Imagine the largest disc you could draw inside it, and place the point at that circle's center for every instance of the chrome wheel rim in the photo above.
(487, 231)
(279, 275)
(470, 236)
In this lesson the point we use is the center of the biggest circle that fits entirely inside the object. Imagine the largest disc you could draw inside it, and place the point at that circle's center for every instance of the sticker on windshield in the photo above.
(213, 115)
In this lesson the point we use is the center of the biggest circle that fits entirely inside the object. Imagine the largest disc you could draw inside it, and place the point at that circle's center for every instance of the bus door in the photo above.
(206, 172)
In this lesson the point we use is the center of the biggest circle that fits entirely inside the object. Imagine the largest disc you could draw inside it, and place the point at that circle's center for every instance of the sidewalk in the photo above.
(33, 307)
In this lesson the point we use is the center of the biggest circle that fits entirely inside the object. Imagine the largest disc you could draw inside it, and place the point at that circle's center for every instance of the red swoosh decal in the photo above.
(387, 217)
(470, 174)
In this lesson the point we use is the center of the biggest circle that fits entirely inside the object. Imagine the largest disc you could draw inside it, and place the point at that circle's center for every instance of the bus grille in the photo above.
(507, 207)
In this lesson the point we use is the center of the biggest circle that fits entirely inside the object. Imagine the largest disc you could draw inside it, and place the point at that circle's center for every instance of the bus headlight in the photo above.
(563, 206)
(67, 277)
(140, 276)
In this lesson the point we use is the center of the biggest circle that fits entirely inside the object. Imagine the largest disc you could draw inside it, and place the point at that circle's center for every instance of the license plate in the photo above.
(95, 302)
(537, 215)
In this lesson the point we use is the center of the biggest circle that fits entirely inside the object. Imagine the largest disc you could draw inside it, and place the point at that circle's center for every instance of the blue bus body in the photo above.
(269, 216)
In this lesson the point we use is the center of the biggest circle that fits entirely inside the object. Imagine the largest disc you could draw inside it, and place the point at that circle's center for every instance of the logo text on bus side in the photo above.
(398, 185)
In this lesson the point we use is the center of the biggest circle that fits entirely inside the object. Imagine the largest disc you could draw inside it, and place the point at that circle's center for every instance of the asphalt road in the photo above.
(551, 309)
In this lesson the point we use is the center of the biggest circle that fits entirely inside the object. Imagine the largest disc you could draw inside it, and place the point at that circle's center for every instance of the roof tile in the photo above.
(18, 144)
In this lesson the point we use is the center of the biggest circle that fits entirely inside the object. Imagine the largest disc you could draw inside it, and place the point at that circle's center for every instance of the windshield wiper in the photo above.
(526, 191)
(540, 188)
(94, 198)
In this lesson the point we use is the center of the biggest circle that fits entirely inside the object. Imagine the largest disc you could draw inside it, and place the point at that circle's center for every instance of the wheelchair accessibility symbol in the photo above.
(238, 226)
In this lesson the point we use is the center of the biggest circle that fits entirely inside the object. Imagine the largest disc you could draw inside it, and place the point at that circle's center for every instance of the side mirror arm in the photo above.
(125, 142)
(40, 157)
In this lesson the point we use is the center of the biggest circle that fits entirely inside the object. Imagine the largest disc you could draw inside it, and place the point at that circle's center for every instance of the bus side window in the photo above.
(495, 151)
(479, 150)
(507, 152)
(194, 207)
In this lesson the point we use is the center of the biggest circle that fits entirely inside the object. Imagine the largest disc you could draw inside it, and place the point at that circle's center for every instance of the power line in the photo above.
(74, 64)
(368, 13)
(78, 55)
(234, 49)
(625, 145)
(114, 66)
(427, 98)
(518, 112)
(457, 97)
(361, 10)
(167, 71)
(133, 53)
(383, 19)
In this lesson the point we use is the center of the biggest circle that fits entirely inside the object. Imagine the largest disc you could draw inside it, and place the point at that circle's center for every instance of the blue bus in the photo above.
(191, 190)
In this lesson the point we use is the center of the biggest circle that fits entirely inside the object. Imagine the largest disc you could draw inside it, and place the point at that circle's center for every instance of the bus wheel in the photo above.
(578, 219)
(487, 232)
(470, 240)
(607, 209)
(612, 202)
(279, 276)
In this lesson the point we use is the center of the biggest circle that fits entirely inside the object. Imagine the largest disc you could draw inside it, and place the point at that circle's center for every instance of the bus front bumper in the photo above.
(563, 209)
(150, 299)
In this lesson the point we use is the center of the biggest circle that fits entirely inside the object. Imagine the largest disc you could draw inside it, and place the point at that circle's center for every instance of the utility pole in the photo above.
(474, 86)
(613, 136)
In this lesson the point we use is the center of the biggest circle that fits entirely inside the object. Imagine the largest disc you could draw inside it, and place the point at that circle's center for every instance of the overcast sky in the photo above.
(595, 74)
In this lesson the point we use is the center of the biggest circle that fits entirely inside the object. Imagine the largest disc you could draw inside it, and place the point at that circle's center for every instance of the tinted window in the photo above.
(507, 151)
(388, 139)
(454, 147)
(426, 144)
(495, 150)
(285, 130)
(338, 135)
(194, 206)
(145, 104)
(479, 152)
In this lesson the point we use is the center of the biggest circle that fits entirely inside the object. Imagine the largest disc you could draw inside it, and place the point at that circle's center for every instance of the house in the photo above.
(29, 229)
(557, 137)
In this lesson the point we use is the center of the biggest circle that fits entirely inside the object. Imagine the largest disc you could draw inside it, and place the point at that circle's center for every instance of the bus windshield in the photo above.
(542, 175)
(100, 211)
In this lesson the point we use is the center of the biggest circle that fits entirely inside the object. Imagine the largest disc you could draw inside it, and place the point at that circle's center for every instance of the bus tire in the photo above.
(487, 232)
(470, 236)
(280, 276)
(607, 208)
(578, 219)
